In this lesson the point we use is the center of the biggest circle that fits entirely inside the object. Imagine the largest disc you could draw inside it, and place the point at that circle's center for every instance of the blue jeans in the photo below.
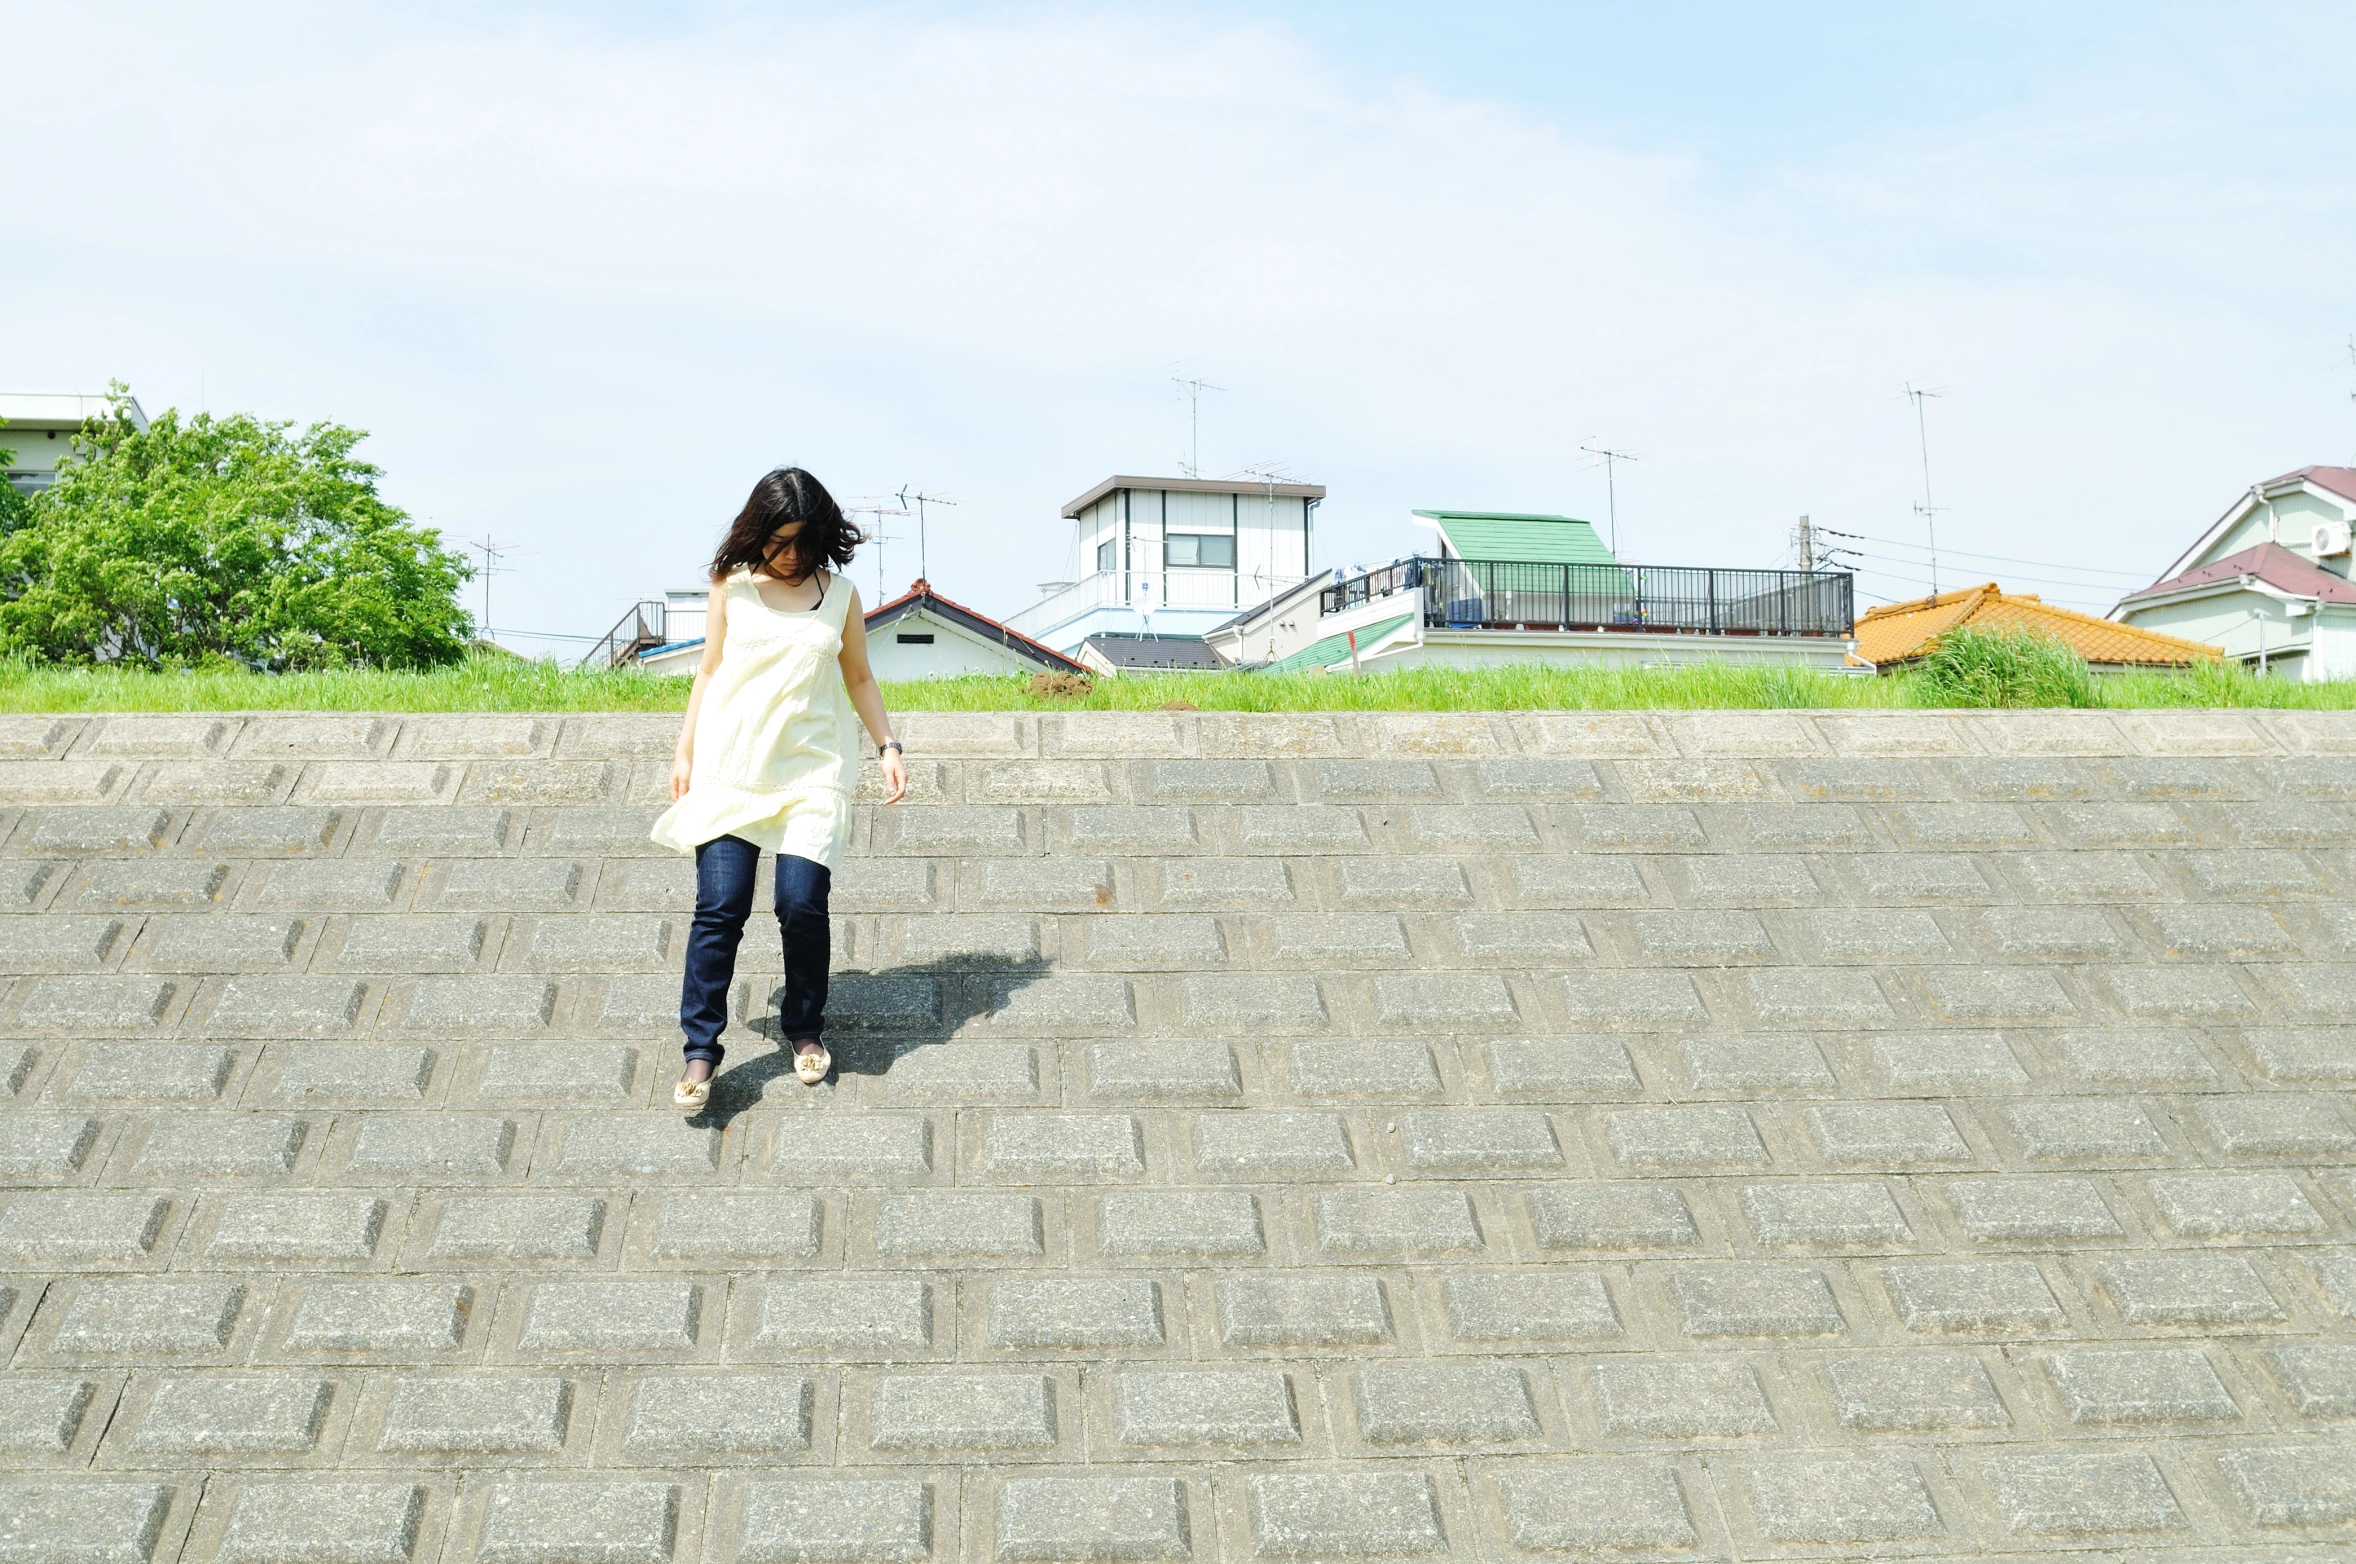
(725, 871)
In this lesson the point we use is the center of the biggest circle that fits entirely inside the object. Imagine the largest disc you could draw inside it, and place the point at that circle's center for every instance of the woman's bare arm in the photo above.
(866, 698)
(715, 631)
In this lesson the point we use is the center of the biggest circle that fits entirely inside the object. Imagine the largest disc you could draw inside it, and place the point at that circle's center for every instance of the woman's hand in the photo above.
(681, 764)
(895, 775)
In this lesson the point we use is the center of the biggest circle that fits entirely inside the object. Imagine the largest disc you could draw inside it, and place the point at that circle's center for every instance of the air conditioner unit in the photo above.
(2331, 538)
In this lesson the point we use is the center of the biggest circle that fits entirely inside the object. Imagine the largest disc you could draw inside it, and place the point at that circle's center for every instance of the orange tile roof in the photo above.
(1901, 632)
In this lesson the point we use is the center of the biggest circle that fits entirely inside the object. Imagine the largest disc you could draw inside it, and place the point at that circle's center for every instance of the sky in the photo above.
(584, 272)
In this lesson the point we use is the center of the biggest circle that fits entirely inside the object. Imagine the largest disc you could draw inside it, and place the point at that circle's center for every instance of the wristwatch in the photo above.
(888, 744)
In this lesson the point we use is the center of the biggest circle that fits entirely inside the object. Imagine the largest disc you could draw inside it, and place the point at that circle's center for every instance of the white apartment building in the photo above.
(1174, 556)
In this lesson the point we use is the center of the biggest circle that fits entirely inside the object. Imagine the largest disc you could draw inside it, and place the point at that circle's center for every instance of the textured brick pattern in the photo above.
(1712, 1135)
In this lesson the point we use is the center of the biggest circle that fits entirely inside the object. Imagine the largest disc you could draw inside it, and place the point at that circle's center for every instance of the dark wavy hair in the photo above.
(784, 496)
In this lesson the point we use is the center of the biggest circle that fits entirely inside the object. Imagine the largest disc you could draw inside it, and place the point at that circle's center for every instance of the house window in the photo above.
(915, 638)
(1105, 555)
(1208, 550)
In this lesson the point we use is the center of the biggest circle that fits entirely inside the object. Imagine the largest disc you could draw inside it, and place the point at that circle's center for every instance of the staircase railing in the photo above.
(637, 630)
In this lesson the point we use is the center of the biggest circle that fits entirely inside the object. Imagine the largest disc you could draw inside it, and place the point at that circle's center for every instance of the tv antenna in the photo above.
(921, 499)
(489, 568)
(879, 538)
(1611, 493)
(1926, 510)
(1269, 475)
(1194, 390)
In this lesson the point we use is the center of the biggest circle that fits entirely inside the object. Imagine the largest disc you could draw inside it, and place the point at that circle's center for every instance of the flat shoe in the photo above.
(692, 1095)
(811, 1064)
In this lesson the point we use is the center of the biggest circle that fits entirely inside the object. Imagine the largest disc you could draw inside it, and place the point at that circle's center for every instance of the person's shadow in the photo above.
(872, 1018)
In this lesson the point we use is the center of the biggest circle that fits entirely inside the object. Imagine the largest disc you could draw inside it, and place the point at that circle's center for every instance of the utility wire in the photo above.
(2002, 559)
(2115, 588)
(1855, 560)
(2088, 605)
(2075, 586)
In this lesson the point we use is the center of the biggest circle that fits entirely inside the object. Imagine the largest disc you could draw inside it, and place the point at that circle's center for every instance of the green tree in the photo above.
(216, 539)
(14, 507)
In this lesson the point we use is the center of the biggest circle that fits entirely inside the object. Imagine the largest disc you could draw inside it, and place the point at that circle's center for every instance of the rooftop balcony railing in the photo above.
(1494, 594)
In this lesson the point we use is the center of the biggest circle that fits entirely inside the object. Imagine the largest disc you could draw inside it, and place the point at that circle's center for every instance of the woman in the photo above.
(767, 759)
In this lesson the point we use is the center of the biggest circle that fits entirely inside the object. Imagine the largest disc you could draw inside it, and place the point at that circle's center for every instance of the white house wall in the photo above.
(1145, 533)
(2230, 621)
(2334, 642)
(954, 651)
(2291, 524)
(37, 450)
(1269, 555)
(1213, 514)
(1275, 636)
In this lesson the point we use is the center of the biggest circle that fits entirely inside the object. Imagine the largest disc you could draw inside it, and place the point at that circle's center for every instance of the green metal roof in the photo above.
(1332, 649)
(1495, 534)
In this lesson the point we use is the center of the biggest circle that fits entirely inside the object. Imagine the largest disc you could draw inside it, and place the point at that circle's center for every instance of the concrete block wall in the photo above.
(1470, 1136)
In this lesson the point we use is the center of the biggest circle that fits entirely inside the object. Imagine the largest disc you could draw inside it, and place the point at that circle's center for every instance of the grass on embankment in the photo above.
(510, 684)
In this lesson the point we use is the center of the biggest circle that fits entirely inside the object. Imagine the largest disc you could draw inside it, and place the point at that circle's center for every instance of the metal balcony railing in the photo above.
(1494, 594)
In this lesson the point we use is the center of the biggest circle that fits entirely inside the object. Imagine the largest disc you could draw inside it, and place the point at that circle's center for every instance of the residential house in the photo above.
(1900, 634)
(1275, 627)
(2268, 582)
(923, 635)
(39, 428)
(917, 635)
(1515, 587)
(1174, 556)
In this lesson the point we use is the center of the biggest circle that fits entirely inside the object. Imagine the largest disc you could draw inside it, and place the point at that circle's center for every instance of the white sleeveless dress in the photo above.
(775, 755)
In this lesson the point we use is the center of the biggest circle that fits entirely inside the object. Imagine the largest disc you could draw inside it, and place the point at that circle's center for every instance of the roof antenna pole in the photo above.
(879, 539)
(1271, 474)
(491, 567)
(1926, 510)
(1194, 390)
(923, 564)
(1611, 492)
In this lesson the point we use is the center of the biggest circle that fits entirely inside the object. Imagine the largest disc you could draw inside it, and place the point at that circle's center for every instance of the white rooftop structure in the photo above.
(39, 426)
(1174, 556)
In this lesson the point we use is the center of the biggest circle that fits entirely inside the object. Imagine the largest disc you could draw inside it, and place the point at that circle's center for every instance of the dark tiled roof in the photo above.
(2271, 563)
(1154, 651)
(2339, 480)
